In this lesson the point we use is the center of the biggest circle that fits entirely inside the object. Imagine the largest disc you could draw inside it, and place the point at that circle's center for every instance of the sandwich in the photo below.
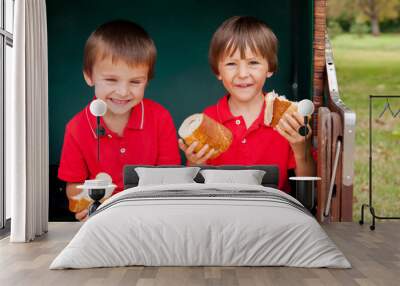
(275, 107)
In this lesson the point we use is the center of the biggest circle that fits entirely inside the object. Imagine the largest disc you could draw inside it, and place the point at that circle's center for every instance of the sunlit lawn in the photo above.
(365, 66)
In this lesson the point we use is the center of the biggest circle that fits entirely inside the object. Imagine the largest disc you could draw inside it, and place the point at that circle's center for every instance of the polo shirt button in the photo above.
(244, 141)
(109, 136)
(122, 150)
(237, 121)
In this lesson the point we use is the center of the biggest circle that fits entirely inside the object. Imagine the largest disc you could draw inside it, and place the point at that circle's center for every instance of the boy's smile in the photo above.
(243, 78)
(120, 85)
(243, 85)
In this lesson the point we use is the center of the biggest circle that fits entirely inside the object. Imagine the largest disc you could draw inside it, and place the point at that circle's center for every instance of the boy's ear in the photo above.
(88, 79)
(219, 77)
(269, 74)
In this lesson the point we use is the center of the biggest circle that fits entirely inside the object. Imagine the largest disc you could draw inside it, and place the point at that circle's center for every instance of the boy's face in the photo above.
(243, 78)
(121, 86)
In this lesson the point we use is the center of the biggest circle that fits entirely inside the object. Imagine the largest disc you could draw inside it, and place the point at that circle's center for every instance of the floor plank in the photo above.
(374, 255)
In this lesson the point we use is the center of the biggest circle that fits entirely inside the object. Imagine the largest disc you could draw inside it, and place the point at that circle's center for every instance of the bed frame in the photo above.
(270, 179)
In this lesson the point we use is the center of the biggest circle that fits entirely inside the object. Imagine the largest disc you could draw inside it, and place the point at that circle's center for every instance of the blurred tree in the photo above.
(379, 10)
(334, 29)
(350, 12)
(359, 28)
(342, 12)
(341, 9)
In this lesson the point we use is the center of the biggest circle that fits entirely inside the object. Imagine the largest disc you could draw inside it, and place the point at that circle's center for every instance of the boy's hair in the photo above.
(239, 32)
(122, 40)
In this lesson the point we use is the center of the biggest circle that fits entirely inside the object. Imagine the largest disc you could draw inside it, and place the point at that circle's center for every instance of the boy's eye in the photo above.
(230, 64)
(136, 82)
(254, 62)
(111, 79)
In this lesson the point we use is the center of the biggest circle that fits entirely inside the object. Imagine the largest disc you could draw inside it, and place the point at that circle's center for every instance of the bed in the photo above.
(201, 224)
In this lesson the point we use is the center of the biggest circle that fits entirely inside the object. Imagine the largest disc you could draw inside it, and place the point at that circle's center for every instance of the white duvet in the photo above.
(185, 230)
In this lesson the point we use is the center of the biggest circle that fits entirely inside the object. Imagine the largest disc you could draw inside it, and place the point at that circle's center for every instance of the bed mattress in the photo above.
(201, 225)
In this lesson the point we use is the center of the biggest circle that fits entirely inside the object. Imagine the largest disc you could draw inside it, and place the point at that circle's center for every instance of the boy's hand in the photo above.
(289, 126)
(82, 215)
(198, 158)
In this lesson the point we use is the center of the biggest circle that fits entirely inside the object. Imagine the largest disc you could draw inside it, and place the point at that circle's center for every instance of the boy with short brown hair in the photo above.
(243, 54)
(119, 60)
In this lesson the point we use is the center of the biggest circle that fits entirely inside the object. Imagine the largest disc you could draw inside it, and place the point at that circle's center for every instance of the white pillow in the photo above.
(162, 176)
(248, 177)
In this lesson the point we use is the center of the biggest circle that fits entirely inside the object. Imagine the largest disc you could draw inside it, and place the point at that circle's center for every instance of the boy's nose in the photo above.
(123, 89)
(243, 71)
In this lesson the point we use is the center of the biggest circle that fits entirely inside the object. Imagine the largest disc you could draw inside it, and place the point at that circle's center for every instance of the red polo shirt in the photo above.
(149, 138)
(257, 145)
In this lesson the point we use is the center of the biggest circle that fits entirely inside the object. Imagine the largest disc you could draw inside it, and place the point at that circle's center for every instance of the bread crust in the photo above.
(79, 205)
(210, 132)
(275, 107)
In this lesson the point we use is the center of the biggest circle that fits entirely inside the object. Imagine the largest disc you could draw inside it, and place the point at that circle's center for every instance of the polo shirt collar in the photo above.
(136, 119)
(224, 113)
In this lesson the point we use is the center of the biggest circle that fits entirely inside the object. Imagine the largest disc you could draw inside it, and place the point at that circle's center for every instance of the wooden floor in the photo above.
(374, 255)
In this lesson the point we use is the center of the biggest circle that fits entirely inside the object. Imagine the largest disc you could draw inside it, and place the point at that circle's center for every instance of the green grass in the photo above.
(365, 66)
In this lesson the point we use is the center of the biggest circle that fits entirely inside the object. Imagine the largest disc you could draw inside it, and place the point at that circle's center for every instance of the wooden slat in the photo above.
(318, 58)
(374, 255)
(337, 132)
(324, 159)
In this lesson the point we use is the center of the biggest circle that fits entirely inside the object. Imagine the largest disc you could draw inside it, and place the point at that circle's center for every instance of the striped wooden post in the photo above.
(318, 58)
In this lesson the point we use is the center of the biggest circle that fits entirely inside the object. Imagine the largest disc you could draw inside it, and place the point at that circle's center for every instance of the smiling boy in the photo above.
(243, 55)
(119, 59)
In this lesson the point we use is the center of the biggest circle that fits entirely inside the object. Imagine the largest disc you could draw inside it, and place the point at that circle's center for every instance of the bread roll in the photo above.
(275, 107)
(78, 205)
(200, 127)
